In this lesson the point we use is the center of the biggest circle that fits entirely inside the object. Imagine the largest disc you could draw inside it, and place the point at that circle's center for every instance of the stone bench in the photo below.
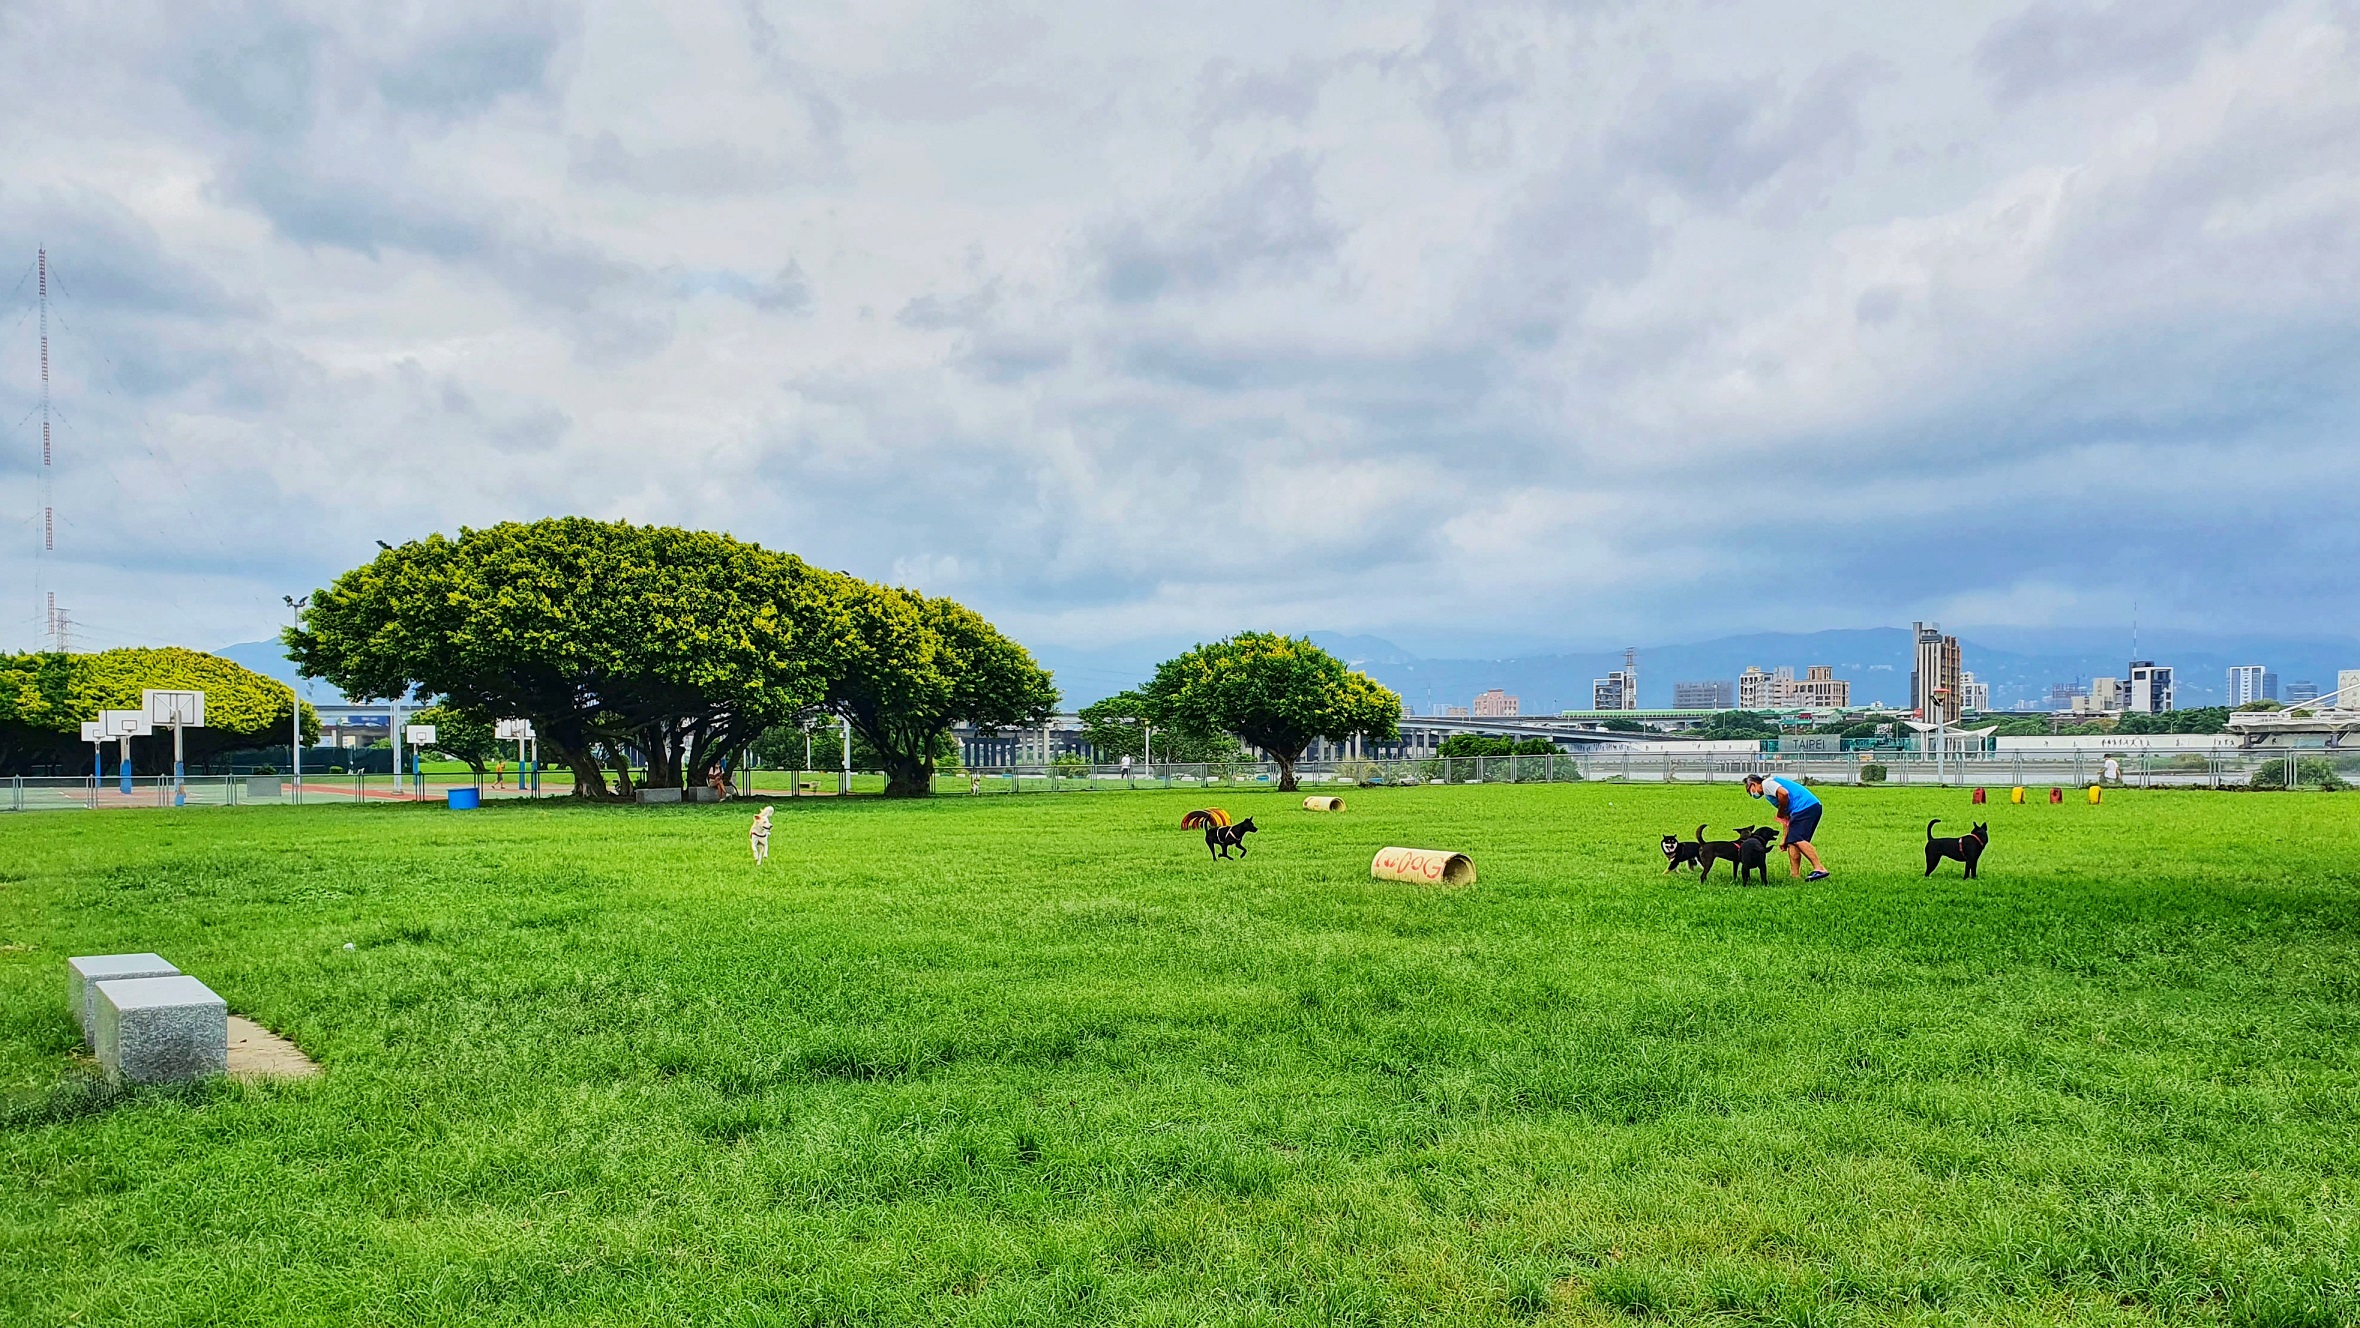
(84, 974)
(161, 1030)
(659, 795)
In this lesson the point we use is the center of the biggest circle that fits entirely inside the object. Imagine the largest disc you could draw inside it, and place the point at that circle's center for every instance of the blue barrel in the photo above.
(466, 799)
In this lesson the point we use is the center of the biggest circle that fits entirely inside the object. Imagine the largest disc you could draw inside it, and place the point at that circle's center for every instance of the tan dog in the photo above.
(760, 836)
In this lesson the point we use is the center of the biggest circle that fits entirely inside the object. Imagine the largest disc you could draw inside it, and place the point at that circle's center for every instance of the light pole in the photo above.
(295, 703)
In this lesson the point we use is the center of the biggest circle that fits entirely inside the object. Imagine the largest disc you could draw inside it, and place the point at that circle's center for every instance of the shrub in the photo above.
(2309, 772)
(1872, 773)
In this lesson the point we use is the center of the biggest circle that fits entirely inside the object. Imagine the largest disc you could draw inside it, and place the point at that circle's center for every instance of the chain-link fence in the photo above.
(2264, 768)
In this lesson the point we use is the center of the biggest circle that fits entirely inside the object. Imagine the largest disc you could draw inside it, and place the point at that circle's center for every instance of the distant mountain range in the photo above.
(2019, 663)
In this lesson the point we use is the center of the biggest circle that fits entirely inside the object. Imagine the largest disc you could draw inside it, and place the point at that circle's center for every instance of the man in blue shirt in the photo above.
(1798, 816)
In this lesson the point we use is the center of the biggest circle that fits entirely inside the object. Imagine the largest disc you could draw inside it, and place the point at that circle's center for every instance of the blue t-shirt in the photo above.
(1797, 797)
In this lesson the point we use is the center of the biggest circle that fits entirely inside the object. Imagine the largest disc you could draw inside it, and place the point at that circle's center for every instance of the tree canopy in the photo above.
(1275, 692)
(45, 697)
(614, 639)
(671, 648)
(1118, 726)
(910, 666)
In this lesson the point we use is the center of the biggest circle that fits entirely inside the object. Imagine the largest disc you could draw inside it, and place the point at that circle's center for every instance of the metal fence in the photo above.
(2072, 768)
(2232, 769)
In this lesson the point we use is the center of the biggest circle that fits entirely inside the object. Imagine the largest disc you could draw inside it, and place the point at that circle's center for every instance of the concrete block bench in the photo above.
(84, 974)
(161, 1030)
(659, 795)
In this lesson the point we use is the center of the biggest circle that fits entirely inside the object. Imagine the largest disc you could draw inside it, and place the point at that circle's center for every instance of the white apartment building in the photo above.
(2249, 683)
(2148, 691)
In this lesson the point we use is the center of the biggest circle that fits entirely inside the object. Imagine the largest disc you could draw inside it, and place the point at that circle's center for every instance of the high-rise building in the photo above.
(1973, 696)
(2062, 696)
(1754, 689)
(2105, 695)
(2249, 683)
(1820, 689)
(1934, 684)
(1495, 704)
(2347, 689)
(2299, 692)
(1719, 694)
(1618, 690)
(2148, 690)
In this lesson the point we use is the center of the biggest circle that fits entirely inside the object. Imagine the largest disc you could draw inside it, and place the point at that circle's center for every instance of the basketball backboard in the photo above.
(418, 735)
(167, 708)
(512, 730)
(93, 731)
(125, 723)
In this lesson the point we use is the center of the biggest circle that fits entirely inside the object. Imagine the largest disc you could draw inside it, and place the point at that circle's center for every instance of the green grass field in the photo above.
(1035, 1060)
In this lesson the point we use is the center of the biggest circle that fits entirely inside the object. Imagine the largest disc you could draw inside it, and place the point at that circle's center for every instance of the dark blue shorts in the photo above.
(1800, 826)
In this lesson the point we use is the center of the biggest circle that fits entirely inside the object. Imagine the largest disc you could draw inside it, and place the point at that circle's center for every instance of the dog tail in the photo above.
(1930, 826)
(1700, 834)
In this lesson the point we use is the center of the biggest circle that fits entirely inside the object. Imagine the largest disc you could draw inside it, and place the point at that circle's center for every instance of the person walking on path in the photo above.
(1798, 818)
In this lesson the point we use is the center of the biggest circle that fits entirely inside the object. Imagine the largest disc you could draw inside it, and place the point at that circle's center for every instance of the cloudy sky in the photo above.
(1477, 325)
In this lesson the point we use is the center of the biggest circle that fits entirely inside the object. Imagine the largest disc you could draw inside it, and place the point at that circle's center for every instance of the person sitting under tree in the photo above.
(1798, 819)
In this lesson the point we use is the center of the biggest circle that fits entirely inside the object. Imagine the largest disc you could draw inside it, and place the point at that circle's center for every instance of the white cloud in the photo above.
(1173, 320)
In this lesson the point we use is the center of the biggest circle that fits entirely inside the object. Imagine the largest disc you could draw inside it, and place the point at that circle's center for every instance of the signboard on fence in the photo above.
(1811, 744)
(2125, 742)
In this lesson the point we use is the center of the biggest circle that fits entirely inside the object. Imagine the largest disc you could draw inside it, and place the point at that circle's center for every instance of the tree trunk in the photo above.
(589, 772)
(906, 778)
(1286, 770)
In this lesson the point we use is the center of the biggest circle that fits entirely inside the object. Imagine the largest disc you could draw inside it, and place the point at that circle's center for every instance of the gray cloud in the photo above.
(2055, 44)
(1268, 224)
(458, 74)
(1420, 314)
(1719, 140)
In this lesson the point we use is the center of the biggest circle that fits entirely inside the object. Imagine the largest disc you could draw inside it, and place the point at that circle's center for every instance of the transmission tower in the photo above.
(53, 622)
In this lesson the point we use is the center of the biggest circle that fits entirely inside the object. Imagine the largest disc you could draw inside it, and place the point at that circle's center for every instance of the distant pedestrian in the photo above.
(760, 836)
(2113, 771)
(1798, 817)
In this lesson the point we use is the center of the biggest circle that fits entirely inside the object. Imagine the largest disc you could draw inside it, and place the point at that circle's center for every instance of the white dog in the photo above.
(760, 835)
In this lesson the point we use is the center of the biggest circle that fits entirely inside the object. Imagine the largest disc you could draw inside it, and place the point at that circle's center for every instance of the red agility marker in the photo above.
(1978, 797)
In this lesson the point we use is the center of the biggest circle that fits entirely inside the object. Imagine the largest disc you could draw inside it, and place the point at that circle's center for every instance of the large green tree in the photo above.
(616, 640)
(45, 697)
(1275, 692)
(907, 667)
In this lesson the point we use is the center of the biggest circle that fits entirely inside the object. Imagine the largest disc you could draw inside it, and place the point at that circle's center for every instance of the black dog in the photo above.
(1967, 848)
(1678, 853)
(1749, 852)
(1222, 838)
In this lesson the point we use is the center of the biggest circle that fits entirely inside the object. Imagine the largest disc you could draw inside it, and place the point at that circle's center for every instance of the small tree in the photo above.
(1275, 692)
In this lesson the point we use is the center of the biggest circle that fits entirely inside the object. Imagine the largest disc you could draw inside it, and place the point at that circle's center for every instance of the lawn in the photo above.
(1036, 1060)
